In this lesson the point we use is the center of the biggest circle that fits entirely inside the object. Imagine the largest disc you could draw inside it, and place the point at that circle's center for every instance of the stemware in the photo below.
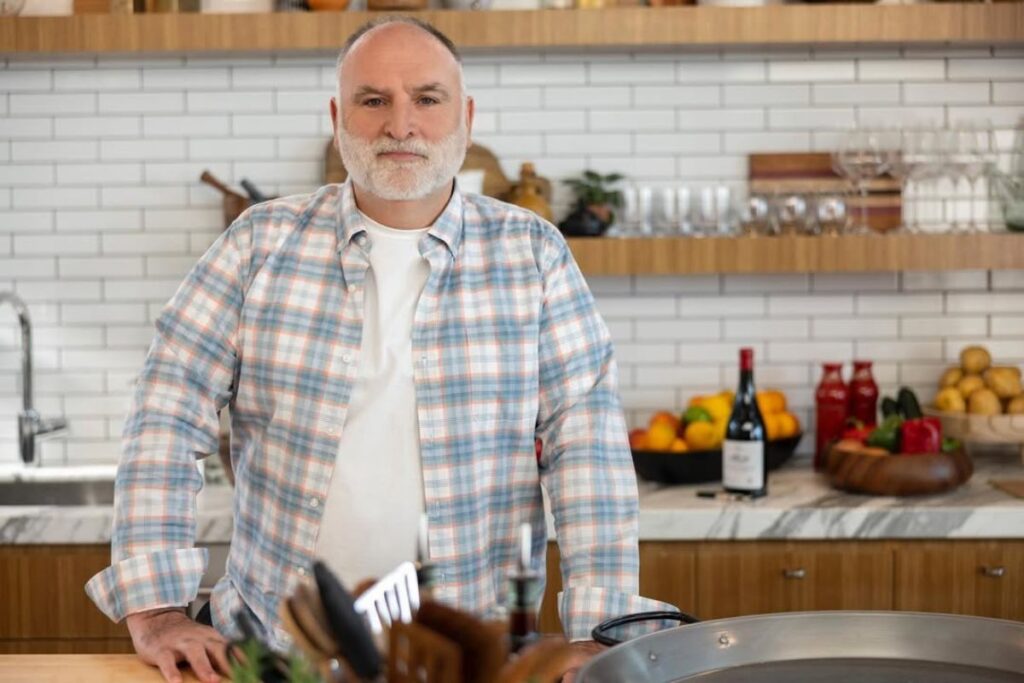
(830, 212)
(860, 158)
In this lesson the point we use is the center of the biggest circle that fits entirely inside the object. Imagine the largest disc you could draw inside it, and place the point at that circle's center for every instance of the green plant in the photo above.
(254, 659)
(593, 189)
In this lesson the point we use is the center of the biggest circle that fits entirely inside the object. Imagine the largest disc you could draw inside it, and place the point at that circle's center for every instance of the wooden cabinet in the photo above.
(985, 578)
(761, 577)
(45, 605)
(46, 609)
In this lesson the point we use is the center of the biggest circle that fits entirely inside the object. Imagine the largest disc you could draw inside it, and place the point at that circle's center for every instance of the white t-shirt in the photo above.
(373, 506)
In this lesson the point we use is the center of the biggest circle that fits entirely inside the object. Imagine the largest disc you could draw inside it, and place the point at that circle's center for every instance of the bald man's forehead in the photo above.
(400, 50)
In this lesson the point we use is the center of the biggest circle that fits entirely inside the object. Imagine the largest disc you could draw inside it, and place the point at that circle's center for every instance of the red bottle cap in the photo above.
(861, 364)
(746, 358)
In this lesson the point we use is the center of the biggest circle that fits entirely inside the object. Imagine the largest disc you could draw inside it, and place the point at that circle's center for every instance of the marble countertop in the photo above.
(800, 505)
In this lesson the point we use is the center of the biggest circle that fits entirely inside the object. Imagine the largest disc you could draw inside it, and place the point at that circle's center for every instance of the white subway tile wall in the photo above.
(102, 212)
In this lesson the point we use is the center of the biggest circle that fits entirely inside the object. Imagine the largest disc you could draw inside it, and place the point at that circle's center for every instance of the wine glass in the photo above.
(830, 212)
(975, 156)
(860, 158)
(755, 217)
(664, 216)
(791, 214)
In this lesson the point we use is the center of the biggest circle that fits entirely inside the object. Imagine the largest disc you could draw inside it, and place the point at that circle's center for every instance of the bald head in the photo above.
(390, 31)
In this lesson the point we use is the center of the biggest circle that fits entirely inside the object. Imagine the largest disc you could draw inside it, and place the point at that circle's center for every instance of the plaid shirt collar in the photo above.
(352, 223)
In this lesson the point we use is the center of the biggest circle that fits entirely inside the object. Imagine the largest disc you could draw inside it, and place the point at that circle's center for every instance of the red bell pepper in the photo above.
(923, 435)
(857, 430)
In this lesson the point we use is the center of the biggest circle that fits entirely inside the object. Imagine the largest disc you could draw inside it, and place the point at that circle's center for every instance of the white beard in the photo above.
(403, 180)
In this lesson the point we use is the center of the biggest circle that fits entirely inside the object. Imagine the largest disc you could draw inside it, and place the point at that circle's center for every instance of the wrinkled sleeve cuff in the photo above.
(167, 578)
(583, 608)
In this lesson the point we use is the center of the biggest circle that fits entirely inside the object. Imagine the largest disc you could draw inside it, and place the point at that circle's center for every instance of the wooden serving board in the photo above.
(812, 173)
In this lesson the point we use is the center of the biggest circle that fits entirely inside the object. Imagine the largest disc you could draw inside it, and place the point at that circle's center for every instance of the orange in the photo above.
(701, 436)
(772, 427)
(720, 428)
(788, 425)
(678, 446)
(771, 402)
(665, 417)
(660, 436)
(638, 439)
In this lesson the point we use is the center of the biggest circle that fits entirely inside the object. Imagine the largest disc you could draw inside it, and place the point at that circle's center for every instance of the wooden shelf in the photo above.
(607, 28)
(846, 254)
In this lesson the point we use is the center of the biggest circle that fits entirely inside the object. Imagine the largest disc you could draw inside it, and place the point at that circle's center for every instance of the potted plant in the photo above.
(595, 206)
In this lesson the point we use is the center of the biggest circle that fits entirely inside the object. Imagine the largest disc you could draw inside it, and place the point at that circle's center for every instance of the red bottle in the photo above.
(831, 400)
(863, 393)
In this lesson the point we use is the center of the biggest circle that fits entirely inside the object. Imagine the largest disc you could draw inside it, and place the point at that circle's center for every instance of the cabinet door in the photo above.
(983, 578)
(762, 577)
(668, 572)
(44, 592)
(548, 621)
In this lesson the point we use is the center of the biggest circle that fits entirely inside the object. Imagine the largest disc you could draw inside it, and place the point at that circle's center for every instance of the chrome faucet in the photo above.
(30, 424)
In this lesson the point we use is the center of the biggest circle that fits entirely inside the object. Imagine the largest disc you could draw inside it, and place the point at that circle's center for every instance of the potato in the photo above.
(949, 400)
(950, 377)
(969, 384)
(975, 360)
(984, 402)
(1003, 381)
(1015, 406)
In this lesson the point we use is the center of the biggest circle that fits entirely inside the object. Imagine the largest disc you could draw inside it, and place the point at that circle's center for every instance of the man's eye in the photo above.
(373, 102)
(429, 100)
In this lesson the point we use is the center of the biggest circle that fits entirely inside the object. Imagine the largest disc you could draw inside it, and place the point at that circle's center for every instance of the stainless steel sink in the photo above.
(88, 492)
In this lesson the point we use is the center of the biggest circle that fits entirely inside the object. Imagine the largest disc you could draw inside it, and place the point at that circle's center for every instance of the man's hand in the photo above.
(583, 651)
(164, 637)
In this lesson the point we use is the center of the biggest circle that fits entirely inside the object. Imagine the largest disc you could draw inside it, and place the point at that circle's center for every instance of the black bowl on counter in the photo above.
(698, 467)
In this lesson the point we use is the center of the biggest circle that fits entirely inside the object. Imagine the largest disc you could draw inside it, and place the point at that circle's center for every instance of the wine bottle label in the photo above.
(743, 465)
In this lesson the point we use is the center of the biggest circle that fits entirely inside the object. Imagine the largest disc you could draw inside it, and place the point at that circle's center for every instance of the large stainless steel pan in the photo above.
(821, 647)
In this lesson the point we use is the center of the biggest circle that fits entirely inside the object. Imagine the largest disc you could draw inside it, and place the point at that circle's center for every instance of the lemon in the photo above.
(717, 406)
(696, 414)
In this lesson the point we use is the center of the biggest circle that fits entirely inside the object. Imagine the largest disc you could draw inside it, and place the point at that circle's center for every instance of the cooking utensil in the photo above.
(354, 640)
(847, 647)
(395, 597)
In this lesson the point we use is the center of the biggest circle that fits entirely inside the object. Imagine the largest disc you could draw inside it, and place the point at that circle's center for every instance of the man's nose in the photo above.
(400, 124)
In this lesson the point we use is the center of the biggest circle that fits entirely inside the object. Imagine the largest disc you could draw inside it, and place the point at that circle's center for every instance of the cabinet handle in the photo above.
(993, 572)
(794, 573)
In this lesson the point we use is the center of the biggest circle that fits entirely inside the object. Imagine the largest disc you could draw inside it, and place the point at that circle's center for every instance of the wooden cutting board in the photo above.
(81, 668)
(1015, 487)
(812, 173)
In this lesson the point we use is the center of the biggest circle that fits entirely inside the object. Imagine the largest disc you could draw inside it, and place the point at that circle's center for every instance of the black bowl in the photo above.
(698, 467)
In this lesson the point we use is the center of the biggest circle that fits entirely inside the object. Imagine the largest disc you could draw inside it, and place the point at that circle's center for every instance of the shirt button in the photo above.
(423, 359)
(351, 288)
(314, 503)
(347, 358)
(301, 570)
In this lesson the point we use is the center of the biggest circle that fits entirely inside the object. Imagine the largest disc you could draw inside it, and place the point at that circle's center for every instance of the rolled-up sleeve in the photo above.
(586, 467)
(187, 378)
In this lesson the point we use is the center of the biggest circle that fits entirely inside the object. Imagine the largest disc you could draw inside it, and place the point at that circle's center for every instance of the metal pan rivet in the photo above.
(652, 655)
(723, 640)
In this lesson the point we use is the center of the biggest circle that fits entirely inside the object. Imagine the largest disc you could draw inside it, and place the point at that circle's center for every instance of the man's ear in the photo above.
(470, 110)
(335, 116)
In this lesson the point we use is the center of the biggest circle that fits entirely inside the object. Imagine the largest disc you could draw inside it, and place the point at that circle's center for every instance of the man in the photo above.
(388, 347)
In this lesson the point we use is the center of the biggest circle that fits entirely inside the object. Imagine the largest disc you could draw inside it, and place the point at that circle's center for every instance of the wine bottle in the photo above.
(744, 465)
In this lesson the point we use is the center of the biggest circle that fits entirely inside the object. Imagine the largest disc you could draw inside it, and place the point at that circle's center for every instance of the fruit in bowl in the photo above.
(701, 427)
(977, 387)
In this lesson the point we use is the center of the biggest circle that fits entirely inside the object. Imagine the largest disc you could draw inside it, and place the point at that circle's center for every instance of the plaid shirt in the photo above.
(507, 346)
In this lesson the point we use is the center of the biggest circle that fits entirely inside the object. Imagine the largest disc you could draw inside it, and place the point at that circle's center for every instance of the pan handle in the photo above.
(600, 632)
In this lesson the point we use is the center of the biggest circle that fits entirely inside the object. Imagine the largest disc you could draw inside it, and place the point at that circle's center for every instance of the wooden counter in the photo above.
(79, 668)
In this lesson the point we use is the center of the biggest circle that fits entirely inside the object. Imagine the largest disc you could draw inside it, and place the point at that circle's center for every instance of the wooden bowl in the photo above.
(897, 475)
